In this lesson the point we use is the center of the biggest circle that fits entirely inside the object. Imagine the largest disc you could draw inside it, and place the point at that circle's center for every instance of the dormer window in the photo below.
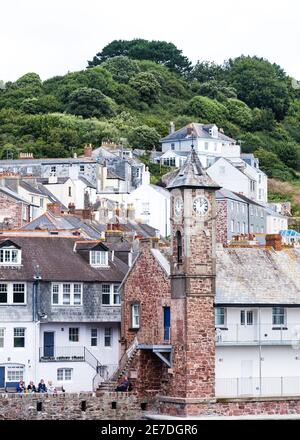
(10, 256)
(98, 258)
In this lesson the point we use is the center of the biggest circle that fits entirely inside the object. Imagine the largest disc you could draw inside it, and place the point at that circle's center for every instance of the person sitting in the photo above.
(42, 387)
(124, 385)
(31, 387)
(21, 387)
(51, 388)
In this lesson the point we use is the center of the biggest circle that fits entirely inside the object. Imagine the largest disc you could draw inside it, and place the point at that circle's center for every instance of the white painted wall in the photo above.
(276, 223)
(229, 177)
(152, 206)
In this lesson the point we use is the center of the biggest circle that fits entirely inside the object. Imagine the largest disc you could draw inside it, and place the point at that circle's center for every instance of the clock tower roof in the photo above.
(192, 175)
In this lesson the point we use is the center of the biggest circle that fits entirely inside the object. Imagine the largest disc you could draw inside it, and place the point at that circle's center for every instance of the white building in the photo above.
(257, 322)
(152, 207)
(208, 140)
(237, 176)
(59, 310)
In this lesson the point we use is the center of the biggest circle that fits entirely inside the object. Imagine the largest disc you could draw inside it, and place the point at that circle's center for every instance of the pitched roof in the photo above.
(192, 175)
(258, 276)
(198, 130)
(13, 194)
(58, 261)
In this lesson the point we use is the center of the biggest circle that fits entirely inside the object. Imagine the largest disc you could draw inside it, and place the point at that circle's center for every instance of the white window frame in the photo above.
(247, 317)
(135, 316)
(2, 337)
(10, 293)
(99, 258)
(108, 333)
(220, 312)
(14, 373)
(22, 334)
(94, 337)
(57, 289)
(78, 333)
(6, 257)
(61, 375)
(278, 312)
(113, 294)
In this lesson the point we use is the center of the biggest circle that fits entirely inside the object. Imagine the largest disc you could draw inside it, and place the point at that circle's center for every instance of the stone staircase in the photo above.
(111, 383)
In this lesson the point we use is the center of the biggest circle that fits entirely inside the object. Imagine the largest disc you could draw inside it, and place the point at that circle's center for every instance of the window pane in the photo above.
(74, 334)
(18, 293)
(3, 293)
(106, 298)
(107, 337)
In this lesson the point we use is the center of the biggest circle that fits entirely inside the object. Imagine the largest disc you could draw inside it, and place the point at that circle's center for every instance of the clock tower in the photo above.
(193, 272)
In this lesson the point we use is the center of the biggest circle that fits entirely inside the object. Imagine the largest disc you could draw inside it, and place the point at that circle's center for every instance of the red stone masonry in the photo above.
(13, 210)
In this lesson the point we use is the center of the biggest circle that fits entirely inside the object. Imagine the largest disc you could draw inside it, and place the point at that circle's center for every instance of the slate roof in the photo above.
(199, 131)
(258, 276)
(58, 262)
(254, 276)
(192, 175)
(13, 194)
(51, 222)
(29, 162)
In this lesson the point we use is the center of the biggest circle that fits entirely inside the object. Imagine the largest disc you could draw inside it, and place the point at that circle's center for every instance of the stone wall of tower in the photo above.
(148, 285)
(192, 309)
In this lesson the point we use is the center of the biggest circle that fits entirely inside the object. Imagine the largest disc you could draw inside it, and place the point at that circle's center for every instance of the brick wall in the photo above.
(222, 222)
(232, 407)
(68, 406)
(11, 209)
(149, 286)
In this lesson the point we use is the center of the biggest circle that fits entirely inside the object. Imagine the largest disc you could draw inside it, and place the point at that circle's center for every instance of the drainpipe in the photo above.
(259, 347)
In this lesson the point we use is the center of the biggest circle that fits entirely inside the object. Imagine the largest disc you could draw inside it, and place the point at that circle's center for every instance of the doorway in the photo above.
(48, 344)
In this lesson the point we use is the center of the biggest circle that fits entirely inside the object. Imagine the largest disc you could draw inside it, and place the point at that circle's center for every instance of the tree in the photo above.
(207, 71)
(143, 137)
(272, 166)
(207, 110)
(122, 68)
(160, 52)
(89, 102)
(239, 112)
(260, 84)
(147, 86)
(214, 89)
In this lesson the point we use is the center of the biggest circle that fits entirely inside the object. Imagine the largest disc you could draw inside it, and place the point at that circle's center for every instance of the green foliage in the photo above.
(133, 89)
(143, 137)
(122, 68)
(90, 103)
(160, 52)
(239, 113)
(260, 84)
(207, 110)
(147, 87)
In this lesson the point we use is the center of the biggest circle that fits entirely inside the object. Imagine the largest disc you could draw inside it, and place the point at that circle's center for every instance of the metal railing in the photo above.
(258, 386)
(264, 334)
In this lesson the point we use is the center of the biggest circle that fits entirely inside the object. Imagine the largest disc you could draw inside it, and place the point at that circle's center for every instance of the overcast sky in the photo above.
(52, 37)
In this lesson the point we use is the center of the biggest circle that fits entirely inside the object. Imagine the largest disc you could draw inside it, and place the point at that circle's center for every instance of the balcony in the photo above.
(257, 387)
(258, 334)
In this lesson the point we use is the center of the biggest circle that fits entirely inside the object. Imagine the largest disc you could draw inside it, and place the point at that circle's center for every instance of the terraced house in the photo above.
(59, 310)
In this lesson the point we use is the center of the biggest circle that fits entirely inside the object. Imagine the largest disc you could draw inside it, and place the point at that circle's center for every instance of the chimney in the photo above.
(130, 211)
(146, 177)
(221, 130)
(88, 150)
(26, 156)
(189, 128)
(171, 127)
(71, 208)
(54, 208)
(274, 241)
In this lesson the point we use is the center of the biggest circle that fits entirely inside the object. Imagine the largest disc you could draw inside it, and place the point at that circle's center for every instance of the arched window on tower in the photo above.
(179, 246)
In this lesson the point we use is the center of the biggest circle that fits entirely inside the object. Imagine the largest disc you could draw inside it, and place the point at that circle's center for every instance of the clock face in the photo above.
(178, 205)
(201, 206)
